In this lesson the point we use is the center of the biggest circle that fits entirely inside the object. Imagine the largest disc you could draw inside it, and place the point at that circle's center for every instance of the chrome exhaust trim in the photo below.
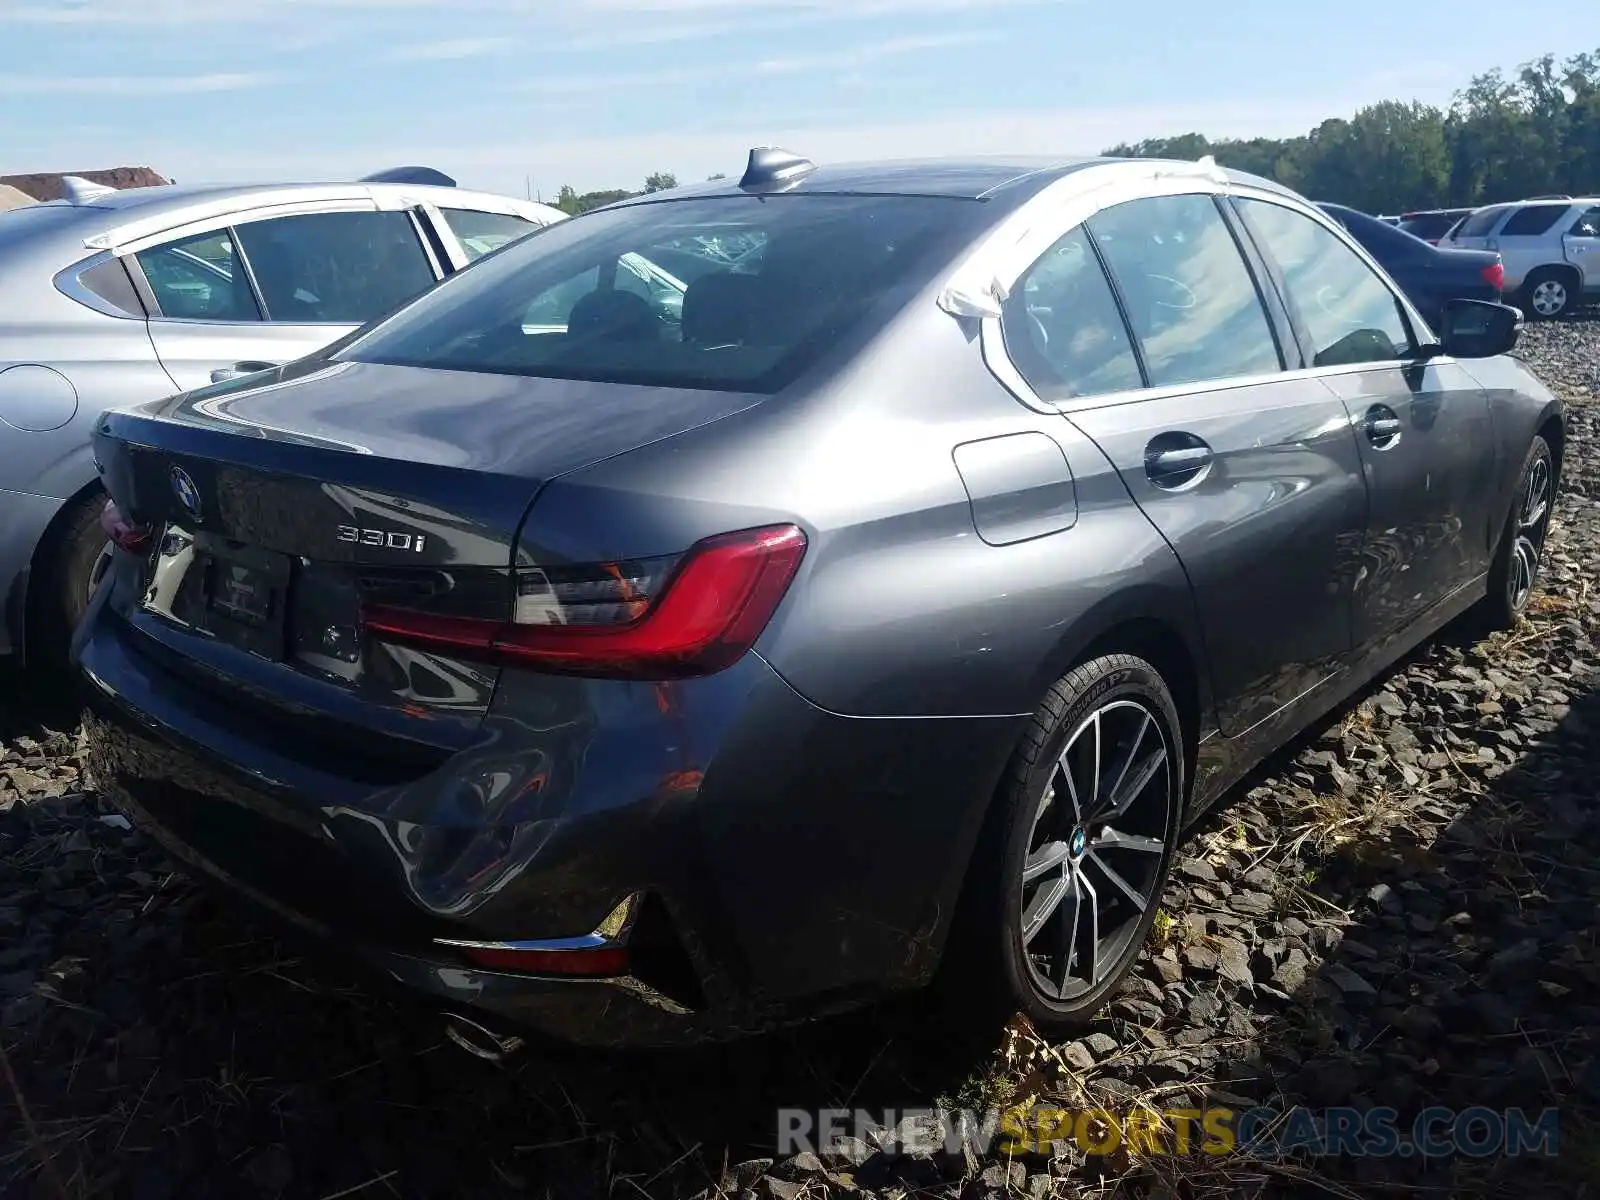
(480, 1042)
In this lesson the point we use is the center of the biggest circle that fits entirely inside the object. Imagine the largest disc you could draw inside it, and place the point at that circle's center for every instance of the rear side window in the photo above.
(1481, 222)
(1062, 328)
(1430, 225)
(1349, 311)
(1533, 220)
(1587, 225)
(482, 232)
(1189, 296)
(342, 267)
(736, 292)
(199, 279)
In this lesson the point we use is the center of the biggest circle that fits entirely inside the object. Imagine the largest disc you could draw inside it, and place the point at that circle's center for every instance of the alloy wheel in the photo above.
(1095, 853)
(1549, 297)
(1533, 505)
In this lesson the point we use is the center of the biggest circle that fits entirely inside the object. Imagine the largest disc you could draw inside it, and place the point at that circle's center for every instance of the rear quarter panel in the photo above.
(900, 608)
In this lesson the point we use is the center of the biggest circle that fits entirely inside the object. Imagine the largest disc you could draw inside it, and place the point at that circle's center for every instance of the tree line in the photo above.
(572, 202)
(1505, 137)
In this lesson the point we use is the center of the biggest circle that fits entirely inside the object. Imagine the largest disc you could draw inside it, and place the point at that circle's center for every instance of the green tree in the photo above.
(660, 181)
(1503, 137)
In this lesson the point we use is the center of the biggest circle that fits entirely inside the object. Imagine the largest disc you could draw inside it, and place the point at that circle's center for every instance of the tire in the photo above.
(1547, 294)
(1002, 956)
(1515, 569)
(60, 592)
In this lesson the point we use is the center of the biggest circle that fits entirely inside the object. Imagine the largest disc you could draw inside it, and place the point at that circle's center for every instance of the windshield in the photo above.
(736, 292)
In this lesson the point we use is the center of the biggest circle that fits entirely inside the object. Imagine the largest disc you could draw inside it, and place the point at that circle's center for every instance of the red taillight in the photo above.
(630, 621)
(601, 962)
(1495, 273)
(120, 531)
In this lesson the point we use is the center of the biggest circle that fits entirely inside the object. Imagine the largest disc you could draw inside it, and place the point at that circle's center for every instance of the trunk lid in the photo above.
(279, 504)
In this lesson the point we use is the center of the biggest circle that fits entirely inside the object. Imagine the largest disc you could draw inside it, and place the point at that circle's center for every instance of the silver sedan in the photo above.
(111, 297)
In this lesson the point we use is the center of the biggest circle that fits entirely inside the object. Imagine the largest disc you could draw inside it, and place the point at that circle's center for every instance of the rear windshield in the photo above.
(1383, 241)
(1480, 222)
(728, 292)
(1430, 225)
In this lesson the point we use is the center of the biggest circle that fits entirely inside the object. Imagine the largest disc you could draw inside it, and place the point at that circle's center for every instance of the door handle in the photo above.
(238, 370)
(1172, 466)
(1383, 426)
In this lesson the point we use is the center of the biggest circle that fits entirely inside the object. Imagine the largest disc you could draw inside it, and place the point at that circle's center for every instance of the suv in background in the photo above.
(1550, 248)
(1432, 224)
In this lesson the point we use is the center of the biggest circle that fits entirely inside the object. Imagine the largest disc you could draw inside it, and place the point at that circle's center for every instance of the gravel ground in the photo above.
(1401, 911)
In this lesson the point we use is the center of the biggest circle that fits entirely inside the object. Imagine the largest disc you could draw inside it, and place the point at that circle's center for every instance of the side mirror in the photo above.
(1478, 328)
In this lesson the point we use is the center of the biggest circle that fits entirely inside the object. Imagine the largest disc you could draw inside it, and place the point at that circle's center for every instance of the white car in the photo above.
(113, 297)
(1550, 248)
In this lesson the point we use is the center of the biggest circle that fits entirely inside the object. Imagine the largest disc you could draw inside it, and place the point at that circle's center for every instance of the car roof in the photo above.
(152, 200)
(1013, 179)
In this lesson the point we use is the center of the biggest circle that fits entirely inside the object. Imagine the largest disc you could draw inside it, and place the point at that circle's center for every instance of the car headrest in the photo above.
(718, 309)
(615, 316)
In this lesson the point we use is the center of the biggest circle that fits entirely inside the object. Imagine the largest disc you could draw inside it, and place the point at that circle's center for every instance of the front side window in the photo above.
(198, 279)
(482, 232)
(1350, 313)
(1533, 220)
(1188, 293)
(739, 292)
(342, 267)
(1062, 328)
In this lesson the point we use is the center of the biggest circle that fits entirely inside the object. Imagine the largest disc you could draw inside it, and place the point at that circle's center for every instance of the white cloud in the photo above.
(864, 55)
(573, 14)
(564, 152)
(450, 50)
(129, 85)
(798, 64)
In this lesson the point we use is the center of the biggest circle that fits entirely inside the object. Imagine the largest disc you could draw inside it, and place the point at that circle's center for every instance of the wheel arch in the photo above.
(1570, 274)
(27, 600)
(1159, 625)
(1553, 429)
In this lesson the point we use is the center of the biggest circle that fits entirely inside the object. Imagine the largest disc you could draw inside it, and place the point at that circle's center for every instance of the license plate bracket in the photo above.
(245, 594)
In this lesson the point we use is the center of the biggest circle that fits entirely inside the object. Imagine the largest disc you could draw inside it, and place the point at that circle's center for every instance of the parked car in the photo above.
(1431, 277)
(114, 296)
(894, 609)
(1432, 224)
(1551, 250)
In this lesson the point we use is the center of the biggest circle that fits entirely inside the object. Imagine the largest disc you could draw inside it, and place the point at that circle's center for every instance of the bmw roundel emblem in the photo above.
(184, 489)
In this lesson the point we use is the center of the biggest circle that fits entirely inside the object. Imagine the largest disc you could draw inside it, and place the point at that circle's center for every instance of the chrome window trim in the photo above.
(980, 283)
(239, 216)
(137, 231)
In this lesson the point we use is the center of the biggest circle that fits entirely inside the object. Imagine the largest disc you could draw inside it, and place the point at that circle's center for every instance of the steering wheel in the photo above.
(1183, 294)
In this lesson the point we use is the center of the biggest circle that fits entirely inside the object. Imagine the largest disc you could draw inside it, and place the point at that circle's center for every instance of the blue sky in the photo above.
(597, 93)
